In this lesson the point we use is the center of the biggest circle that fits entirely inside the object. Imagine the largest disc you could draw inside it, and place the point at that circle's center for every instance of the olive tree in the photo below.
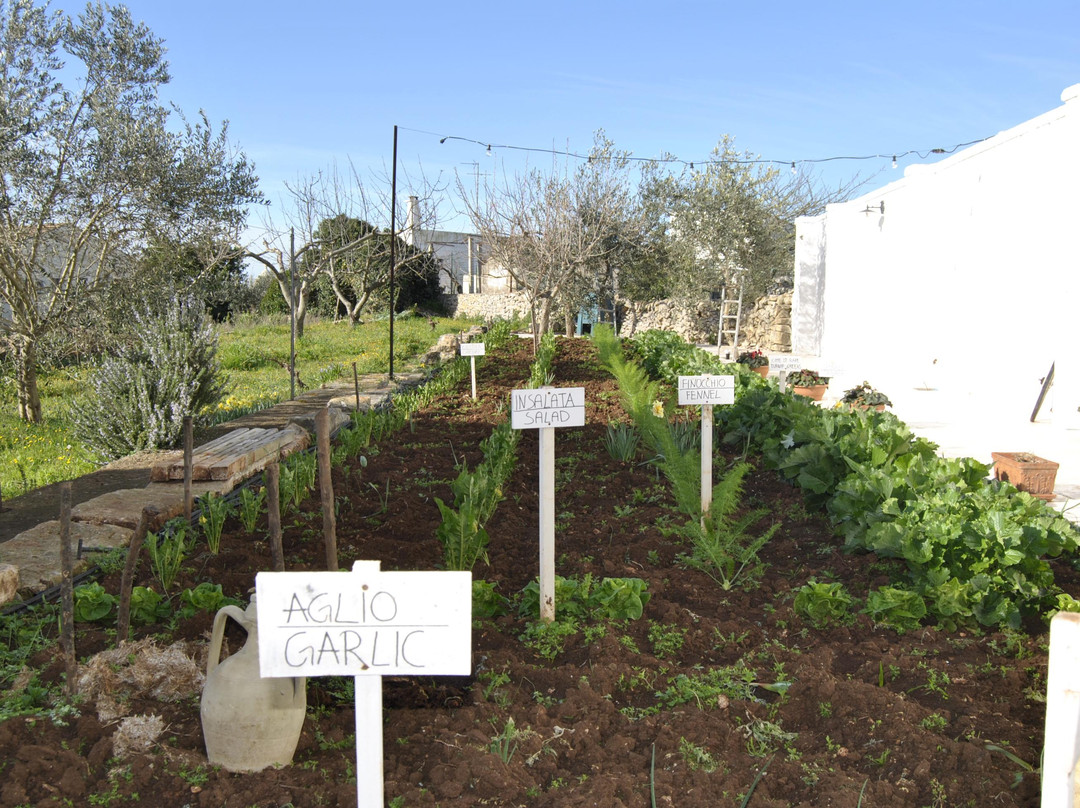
(94, 168)
(729, 220)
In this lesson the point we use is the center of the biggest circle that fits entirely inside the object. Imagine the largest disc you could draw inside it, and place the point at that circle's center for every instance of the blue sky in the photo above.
(306, 84)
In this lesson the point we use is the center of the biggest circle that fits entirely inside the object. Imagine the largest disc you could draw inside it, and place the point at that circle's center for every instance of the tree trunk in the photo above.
(569, 323)
(26, 379)
(301, 310)
(545, 316)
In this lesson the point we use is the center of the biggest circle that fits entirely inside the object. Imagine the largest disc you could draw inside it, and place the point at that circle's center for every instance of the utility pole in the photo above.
(393, 255)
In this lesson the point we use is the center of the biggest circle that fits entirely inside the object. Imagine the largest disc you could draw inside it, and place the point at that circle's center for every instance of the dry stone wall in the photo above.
(488, 307)
(766, 326)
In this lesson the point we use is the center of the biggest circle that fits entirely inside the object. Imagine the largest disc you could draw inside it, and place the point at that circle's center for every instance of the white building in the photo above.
(464, 269)
(963, 277)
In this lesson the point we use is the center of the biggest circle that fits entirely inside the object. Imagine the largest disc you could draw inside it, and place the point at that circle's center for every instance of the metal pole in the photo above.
(393, 254)
(292, 313)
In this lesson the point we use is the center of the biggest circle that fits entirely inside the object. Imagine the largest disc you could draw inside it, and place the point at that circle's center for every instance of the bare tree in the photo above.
(551, 231)
(337, 225)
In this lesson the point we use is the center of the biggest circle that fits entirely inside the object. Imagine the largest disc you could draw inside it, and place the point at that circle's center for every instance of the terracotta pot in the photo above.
(817, 392)
(1027, 472)
(762, 371)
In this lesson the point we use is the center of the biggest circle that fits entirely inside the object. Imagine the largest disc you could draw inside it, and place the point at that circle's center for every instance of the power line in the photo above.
(490, 146)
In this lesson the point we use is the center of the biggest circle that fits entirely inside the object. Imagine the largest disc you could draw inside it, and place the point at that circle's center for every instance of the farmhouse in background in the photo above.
(463, 267)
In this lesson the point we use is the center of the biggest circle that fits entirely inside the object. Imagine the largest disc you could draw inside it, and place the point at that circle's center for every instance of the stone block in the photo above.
(36, 552)
(9, 583)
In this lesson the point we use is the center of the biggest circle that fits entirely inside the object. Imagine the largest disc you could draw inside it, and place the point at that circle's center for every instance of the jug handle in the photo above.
(237, 614)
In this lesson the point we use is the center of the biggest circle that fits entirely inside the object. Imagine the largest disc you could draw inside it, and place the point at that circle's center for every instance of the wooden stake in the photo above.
(356, 386)
(547, 524)
(706, 459)
(326, 487)
(1060, 785)
(272, 480)
(67, 598)
(135, 545)
(472, 367)
(187, 468)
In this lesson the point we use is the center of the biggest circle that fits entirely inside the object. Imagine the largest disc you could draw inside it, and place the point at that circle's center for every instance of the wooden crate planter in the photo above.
(1027, 472)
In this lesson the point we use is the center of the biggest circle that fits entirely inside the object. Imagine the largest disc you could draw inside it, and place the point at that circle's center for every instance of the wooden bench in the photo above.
(231, 454)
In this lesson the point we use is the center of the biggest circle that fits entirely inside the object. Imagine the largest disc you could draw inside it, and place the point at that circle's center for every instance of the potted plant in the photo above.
(756, 361)
(1026, 471)
(808, 383)
(865, 397)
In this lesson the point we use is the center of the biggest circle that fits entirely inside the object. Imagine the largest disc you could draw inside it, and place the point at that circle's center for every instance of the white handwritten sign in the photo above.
(706, 389)
(547, 407)
(782, 363)
(472, 349)
(364, 623)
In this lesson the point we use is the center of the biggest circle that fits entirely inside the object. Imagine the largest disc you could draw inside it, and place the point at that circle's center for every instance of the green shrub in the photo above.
(139, 396)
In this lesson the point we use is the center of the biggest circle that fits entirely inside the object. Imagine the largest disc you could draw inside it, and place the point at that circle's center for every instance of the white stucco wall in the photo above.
(969, 281)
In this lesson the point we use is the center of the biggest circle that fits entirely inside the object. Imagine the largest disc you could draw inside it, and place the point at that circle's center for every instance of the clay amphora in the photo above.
(248, 722)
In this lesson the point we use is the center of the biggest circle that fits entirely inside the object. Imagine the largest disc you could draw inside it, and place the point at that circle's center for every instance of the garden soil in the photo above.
(854, 714)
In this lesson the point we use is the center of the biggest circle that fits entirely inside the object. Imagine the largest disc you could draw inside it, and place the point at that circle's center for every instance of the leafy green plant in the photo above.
(206, 597)
(806, 378)
(666, 640)
(93, 603)
(464, 540)
(252, 505)
(147, 606)
(486, 602)
(621, 441)
(697, 758)
(863, 395)
(168, 549)
(505, 743)
(724, 547)
(476, 495)
(822, 603)
(611, 599)
(901, 609)
(548, 640)
(753, 359)
(214, 510)
(704, 688)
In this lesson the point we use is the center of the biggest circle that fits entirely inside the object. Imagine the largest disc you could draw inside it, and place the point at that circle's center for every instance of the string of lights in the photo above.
(491, 147)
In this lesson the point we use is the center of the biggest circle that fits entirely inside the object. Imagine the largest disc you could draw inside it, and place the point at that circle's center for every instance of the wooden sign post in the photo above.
(366, 624)
(472, 350)
(706, 391)
(784, 364)
(1061, 755)
(546, 409)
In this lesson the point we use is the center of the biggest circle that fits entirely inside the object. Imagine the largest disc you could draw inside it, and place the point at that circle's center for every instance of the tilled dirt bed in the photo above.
(870, 717)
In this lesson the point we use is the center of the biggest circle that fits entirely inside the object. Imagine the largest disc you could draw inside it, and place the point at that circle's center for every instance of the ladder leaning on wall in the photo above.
(730, 320)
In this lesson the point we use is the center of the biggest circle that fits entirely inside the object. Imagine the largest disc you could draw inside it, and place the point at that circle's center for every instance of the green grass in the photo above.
(254, 356)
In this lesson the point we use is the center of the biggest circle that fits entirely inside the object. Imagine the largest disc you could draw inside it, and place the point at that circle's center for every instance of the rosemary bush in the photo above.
(167, 369)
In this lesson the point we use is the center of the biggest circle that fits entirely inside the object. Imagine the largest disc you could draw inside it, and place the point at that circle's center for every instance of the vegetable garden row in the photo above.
(855, 621)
